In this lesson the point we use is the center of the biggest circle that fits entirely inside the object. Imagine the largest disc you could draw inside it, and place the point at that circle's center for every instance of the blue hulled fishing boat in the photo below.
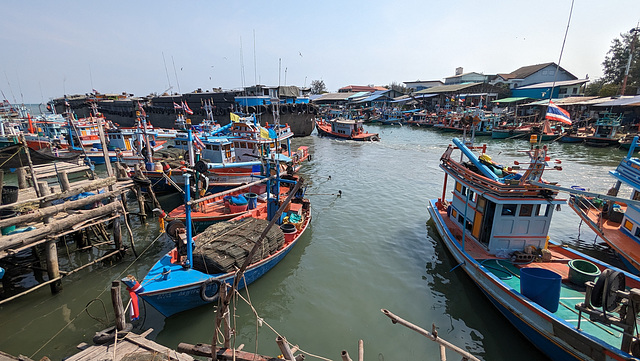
(569, 305)
(245, 248)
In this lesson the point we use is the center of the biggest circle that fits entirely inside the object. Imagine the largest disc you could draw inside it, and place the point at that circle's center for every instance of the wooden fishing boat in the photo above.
(606, 131)
(615, 220)
(344, 128)
(569, 305)
(191, 274)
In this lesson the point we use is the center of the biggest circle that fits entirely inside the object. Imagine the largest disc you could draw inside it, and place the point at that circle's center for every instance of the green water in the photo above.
(370, 249)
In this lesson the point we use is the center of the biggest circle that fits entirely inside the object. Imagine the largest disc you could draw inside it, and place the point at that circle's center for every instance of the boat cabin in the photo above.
(216, 149)
(500, 224)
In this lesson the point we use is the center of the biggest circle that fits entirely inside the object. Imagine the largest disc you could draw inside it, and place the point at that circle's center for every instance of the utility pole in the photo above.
(633, 31)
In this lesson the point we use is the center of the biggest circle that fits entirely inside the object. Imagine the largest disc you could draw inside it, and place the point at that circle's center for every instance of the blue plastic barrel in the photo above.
(541, 286)
(252, 200)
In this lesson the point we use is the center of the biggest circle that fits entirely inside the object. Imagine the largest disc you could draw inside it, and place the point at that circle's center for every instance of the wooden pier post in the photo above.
(1, 180)
(118, 308)
(22, 178)
(140, 196)
(345, 356)
(226, 317)
(360, 350)
(51, 250)
(284, 348)
(63, 177)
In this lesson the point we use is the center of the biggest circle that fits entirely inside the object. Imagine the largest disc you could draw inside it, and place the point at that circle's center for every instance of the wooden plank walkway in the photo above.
(131, 347)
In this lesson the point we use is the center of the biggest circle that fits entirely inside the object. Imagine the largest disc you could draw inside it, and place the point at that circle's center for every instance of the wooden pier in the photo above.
(53, 205)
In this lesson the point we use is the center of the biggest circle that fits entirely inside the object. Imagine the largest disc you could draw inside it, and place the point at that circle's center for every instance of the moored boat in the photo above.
(344, 128)
(569, 305)
(615, 220)
(192, 273)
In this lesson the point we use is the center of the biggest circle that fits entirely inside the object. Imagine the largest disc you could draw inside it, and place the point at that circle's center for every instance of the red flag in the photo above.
(142, 112)
(186, 108)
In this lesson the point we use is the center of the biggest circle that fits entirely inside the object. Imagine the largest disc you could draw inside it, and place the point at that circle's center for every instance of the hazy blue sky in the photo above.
(55, 47)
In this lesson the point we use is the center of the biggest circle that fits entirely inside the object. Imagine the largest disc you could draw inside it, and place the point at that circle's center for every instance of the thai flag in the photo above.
(176, 106)
(186, 108)
(199, 142)
(554, 112)
(142, 112)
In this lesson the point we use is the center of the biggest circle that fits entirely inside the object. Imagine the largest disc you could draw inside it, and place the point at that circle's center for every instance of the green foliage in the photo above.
(593, 88)
(400, 87)
(318, 87)
(609, 90)
(616, 60)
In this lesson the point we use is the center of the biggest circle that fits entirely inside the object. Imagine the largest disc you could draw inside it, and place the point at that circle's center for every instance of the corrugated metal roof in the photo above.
(621, 101)
(335, 96)
(359, 94)
(446, 88)
(550, 84)
(509, 100)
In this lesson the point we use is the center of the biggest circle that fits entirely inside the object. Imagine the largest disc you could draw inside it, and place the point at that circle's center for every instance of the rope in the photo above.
(261, 320)
(13, 155)
(100, 294)
(104, 308)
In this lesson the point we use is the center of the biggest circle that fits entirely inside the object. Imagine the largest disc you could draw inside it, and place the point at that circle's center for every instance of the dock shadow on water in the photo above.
(366, 250)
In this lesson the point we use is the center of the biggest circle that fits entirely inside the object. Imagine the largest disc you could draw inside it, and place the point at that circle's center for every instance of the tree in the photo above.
(617, 58)
(318, 87)
(399, 87)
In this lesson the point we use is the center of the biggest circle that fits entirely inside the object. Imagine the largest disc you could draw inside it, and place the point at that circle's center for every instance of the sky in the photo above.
(53, 48)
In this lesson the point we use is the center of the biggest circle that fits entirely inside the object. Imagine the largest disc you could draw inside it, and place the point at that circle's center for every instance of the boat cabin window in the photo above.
(637, 233)
(636, 195)
(509, 209)
(526, 210)
(538, 208)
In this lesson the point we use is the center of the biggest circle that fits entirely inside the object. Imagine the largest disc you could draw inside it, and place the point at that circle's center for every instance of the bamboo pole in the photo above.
(345, 356)
(34, 177)
(432, 336)
(93, 185)
(236, 279)
(30, 290)
(360, 350)
(28, 237)
(284, 348)
(229, 191)
(227, 317)
(55, 209)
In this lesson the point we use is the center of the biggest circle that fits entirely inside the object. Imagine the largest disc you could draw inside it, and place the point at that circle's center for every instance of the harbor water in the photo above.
(370, 249)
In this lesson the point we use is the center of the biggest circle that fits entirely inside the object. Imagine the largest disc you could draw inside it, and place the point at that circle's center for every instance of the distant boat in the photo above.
(569, 305)
(344, 128)
(606, 131)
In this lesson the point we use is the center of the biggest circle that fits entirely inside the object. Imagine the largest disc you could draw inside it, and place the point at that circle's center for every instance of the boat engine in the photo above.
(608, 302)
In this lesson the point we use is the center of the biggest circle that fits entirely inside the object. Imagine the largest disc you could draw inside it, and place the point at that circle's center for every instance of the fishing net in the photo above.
(224, 247)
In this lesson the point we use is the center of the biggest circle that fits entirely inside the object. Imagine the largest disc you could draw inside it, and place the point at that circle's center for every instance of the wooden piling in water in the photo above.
(22, 178)
(51, 249)
(118, 308)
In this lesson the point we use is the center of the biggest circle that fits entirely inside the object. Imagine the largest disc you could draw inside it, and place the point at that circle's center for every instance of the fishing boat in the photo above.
(569, 305)
(344, 128)
(606, 131)
(224, 205)
(616, 220)
(191, 274)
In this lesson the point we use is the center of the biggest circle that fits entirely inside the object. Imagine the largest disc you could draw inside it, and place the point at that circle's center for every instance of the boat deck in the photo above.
(569, 297)
(611, 232)
(509, 273)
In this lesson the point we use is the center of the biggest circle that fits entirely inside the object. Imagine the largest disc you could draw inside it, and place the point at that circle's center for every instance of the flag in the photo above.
(186, 108)
(176, 106)
(264, 133)
(199, 142)
(142, 112)
(234, 117)
(554, 112)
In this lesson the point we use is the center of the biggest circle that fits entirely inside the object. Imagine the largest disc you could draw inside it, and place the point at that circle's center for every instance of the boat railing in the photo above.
(509, 188)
